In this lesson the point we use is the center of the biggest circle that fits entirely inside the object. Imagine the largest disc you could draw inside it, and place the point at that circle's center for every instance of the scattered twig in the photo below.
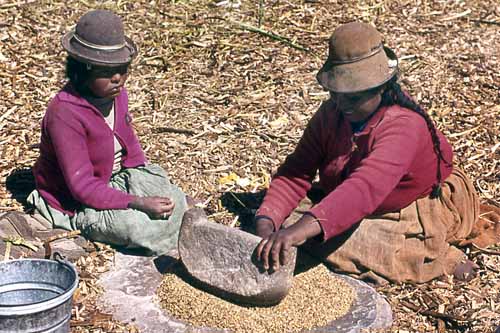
(46, 243)
(69, 234)
(481, 21)
(434, 314)
(238, 200)
(271, 35)
(261, 12)
(6, 256)
(20, 241)
(266, 33)
(233, 223)
(457, 16)
(174, 130)
(487, 251)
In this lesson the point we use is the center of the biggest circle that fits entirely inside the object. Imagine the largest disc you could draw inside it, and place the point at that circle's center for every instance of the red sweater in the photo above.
(381, 169)
(77, 151)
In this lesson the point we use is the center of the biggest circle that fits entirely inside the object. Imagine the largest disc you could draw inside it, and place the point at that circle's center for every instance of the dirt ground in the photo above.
(220, 94)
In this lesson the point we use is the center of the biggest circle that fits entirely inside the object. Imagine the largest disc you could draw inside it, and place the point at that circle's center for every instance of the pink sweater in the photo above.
(381, 169)
(76, 153)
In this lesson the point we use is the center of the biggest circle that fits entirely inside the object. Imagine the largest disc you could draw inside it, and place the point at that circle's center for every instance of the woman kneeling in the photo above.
(392, 205)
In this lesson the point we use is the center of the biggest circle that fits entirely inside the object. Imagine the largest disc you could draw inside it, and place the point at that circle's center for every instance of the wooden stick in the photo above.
(487, 251)
(174, 130)
(457, 16)
(266, 33)
(238, 200)
(433, 314)
(233, 223)
(481, 21)
(271, 35)
(69, 234)
(20, 241)
(261, 12)
(7, 251)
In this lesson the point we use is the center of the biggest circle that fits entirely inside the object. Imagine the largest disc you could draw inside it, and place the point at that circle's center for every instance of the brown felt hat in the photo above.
(98, 39)
(357, 60)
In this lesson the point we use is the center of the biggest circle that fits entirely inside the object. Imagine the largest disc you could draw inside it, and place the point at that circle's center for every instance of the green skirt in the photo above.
(128, 228)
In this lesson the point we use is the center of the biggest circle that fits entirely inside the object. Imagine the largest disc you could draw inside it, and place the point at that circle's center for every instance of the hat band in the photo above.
(98, 47)
(364, 56)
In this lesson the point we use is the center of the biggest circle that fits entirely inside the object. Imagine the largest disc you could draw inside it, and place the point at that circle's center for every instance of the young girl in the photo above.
(392, 204)
(92, 174)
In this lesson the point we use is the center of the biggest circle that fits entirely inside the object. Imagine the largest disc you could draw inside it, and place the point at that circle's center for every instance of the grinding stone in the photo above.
(223, 260)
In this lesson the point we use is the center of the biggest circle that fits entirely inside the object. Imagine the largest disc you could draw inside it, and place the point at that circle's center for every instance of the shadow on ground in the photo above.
(20, 183)
(243, 205)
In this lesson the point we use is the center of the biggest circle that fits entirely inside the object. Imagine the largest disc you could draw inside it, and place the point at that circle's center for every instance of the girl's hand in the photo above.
(274, 250)
(155, 207)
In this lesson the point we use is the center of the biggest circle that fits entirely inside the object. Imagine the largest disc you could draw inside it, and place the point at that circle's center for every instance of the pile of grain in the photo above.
(316, 298)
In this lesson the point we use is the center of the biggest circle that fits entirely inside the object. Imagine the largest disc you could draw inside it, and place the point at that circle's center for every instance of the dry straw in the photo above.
(209, 99)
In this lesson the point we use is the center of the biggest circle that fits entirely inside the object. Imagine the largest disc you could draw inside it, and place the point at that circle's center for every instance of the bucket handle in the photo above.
(61, 259)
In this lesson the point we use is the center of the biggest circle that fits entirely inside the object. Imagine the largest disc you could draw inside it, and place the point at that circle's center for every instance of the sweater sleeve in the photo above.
(394, 149)
(68, 138)
(294, 177)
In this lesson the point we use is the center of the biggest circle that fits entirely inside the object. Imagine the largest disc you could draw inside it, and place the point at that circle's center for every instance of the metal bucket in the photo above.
(36, 295)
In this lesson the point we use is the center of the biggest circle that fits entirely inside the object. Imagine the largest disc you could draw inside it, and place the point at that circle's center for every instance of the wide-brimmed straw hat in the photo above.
(98, 38)
(357, 60)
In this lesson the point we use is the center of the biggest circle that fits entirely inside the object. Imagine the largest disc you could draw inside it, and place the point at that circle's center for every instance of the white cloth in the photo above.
(110, 120)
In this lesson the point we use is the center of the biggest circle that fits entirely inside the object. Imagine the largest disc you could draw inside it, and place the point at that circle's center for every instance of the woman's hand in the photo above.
(264, 227)
(156, 207)
(274, 250)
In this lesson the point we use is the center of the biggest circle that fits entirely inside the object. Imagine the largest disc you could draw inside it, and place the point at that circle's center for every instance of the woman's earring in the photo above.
(89, 67)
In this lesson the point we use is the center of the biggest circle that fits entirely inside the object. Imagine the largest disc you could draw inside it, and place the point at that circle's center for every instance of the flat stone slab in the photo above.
(36, 230)
(223, 259)
(130, 295)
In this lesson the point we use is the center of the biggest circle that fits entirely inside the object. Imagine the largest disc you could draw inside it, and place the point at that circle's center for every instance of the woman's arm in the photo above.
(396, 142)
(274, 250)
(294, 177)
(359, 195)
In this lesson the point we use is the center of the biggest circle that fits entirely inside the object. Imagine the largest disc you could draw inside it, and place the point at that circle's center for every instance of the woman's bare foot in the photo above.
(192, 202)
(466, 270)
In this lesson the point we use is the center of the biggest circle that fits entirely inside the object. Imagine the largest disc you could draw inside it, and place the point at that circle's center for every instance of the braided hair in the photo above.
(393, 94)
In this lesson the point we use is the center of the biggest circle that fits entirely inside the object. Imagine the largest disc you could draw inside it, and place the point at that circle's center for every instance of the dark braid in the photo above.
(393, 94)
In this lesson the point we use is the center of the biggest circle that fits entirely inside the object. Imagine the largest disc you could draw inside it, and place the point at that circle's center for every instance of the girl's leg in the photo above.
(152, 180)
(131, 228)
(56, 218)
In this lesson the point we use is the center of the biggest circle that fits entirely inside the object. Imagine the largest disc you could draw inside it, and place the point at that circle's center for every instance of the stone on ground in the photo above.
(35, 230)
(223, 259)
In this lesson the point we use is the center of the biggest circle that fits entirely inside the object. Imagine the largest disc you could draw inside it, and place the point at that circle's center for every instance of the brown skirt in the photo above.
(415, 244)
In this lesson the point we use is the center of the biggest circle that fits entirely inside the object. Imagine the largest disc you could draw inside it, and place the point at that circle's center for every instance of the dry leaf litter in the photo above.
(222, 90)
(86, 315)
(316, 298)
